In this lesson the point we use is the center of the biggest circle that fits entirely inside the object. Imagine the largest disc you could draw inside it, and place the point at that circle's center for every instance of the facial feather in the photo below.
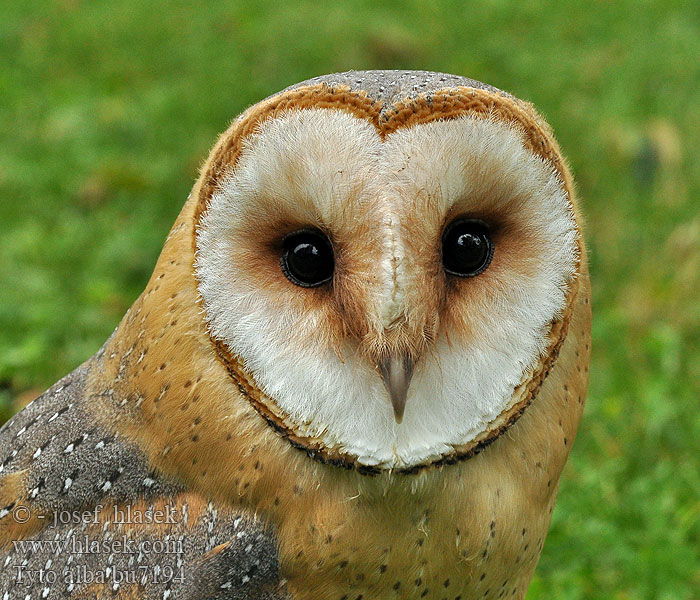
(384, 205)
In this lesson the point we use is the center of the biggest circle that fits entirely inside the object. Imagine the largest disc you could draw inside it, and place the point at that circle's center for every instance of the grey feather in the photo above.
(70, 463)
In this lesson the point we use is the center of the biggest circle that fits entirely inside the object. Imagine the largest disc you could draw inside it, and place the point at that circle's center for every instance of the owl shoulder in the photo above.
(65, 478)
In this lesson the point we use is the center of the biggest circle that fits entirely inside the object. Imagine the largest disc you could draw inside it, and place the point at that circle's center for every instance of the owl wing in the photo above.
(83, 515)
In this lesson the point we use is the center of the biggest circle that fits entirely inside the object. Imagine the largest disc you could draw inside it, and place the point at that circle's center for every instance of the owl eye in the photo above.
(307, 258)
(467, 248)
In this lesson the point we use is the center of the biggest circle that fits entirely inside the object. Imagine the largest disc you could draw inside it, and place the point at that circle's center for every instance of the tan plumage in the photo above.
(345, 511)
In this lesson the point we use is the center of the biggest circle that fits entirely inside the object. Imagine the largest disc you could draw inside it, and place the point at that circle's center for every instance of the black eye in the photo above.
(467, 248)
(307, 258)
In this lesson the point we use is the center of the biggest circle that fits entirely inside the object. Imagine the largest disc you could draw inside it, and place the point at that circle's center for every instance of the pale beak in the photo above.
(396, 372)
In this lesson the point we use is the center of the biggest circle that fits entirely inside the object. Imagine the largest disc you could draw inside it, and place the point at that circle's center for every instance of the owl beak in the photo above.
(396, 371)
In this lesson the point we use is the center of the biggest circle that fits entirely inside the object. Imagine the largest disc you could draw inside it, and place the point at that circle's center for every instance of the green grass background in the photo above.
(108, 109)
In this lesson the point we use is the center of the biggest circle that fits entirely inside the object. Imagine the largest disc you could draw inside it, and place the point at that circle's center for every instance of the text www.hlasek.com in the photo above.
(73, 574)
(84, 545)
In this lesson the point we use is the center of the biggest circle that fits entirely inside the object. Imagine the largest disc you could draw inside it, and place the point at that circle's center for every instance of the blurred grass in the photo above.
(107, 109)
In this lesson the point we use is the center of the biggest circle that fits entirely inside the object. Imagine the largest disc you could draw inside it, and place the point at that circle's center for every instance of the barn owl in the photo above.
(355, 373)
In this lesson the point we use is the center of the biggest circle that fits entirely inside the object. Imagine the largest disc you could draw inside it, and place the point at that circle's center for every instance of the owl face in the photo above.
(387, 297)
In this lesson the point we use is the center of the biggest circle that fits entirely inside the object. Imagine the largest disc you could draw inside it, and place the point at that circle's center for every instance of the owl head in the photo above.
(386, 263)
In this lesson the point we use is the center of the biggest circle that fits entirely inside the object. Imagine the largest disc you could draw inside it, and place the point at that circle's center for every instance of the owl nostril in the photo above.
(397, 321)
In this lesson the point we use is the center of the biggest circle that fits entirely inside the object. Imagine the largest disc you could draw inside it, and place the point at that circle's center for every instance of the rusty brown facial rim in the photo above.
(440, 105)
